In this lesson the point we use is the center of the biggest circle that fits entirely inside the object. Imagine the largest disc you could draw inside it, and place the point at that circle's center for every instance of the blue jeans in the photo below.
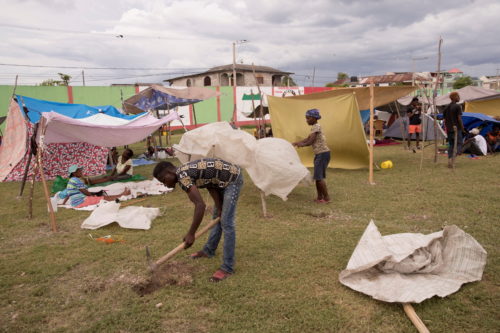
(451, 144)
(226, 225)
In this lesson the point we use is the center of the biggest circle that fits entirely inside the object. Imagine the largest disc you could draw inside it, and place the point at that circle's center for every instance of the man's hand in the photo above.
(189, 240)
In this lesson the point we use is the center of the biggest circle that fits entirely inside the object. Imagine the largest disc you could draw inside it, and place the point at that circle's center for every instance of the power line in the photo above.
(112, 68)
(95, 33)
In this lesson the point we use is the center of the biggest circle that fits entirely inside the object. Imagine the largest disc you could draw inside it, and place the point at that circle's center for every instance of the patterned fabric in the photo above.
(207, 173)
(58, 157)
(319, 145)
(121, 166)
(76, 197)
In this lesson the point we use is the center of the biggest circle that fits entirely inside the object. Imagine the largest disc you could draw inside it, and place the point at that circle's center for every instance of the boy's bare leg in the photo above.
(319, 190)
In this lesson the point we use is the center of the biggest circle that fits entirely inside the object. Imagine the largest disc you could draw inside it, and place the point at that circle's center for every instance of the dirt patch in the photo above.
(169, 274)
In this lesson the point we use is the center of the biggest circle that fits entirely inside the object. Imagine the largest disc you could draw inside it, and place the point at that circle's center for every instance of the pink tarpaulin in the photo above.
(14, 142)
(62, 129)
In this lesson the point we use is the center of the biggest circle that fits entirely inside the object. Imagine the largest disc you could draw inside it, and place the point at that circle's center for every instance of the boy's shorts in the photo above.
(415, 129)
(321, 161)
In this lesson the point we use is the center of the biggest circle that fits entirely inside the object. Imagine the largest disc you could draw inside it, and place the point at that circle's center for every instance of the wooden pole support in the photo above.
(264, 206)
(180, 247)
(370, 173)
(415, 319)
(53, 223)
(32, 190)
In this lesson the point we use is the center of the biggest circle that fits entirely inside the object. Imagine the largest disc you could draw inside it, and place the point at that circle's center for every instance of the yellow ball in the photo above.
(386, 164)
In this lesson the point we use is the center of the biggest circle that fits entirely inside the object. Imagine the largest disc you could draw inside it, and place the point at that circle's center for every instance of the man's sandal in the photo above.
(220, 275)
(199, 254)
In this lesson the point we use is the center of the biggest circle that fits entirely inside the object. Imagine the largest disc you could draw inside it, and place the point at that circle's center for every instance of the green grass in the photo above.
(287, 266)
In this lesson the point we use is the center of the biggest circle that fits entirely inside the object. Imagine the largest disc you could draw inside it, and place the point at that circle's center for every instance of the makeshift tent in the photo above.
(468, 93)
(272, 164)
(489, 105)
(382, 95)
(341, 123)
(479, 120)
(72, 134)
(158, 97)
(399, 129)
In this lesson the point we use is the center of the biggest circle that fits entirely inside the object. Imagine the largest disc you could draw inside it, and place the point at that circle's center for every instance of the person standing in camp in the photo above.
(224, 181)
(452, 115)
(414, 114)
(321, 154)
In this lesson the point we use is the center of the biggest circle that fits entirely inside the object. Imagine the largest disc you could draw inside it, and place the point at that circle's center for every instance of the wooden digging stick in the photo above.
(415, 319)
(180, 247)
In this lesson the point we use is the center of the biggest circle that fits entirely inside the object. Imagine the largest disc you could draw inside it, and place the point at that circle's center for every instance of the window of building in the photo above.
(188, 83)
(207, 81)
(260, 79)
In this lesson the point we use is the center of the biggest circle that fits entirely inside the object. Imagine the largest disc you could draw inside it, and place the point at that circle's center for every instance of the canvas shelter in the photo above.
(485, 123)
(489, 105)
(467, 93)
(399, 129)
(382, 95)
(158, 97)
(69, 133)
(341, 121)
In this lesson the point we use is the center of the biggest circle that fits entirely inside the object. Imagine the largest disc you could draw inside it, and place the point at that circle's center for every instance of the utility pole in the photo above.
(234, 76)
(83, 77)
(314, 74)
(413, 67)
(497, 80)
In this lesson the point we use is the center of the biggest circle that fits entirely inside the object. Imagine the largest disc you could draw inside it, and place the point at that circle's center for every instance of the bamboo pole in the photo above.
(370, 173)
(404, 130)
(32, 190)
(255, 115)
(53, 223)
(160, 129)
(260, 107)
(262, 196)
(415, 319)
(434, 100)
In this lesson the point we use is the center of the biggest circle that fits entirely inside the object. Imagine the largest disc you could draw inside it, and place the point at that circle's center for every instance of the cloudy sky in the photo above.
(128, 41)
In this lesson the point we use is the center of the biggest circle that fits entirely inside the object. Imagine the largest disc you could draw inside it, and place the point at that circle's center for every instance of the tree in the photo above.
(342, 76)
(50, 82)
(64, 79)
(332, 84)
(288, 81)
(463, 81)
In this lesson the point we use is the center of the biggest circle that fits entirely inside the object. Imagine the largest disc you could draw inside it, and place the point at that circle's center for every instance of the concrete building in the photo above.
(490, 82)
(223, 76)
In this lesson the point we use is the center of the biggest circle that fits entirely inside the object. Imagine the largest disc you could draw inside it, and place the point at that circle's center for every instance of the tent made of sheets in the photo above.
(341, 121)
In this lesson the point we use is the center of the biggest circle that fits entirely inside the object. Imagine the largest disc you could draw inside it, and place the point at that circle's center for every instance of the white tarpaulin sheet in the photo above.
(409, 268)
(272, 163)
(131, 217)
(63, 129)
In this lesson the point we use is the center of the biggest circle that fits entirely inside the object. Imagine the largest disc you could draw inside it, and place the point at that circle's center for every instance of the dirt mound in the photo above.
(173, 273)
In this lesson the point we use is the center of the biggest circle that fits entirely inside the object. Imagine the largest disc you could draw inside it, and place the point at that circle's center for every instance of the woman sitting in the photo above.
(78, 194)
(123, 169)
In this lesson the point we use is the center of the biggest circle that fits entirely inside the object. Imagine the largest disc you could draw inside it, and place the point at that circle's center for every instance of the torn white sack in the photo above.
(409, 268)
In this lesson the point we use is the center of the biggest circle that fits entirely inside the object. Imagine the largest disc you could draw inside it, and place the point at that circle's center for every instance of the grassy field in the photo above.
(287, 266)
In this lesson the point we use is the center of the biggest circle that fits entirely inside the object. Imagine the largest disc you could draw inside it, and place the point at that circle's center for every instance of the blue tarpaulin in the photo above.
(473, 120)
(163, 101)
(77, 111)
